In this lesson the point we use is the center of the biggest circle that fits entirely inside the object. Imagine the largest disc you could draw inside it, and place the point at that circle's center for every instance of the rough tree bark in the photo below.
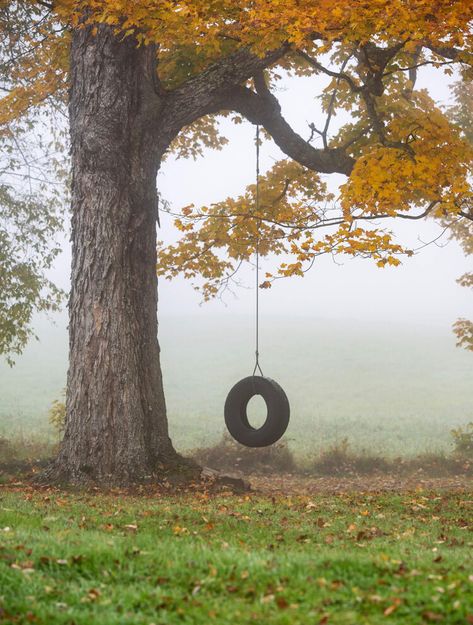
(116, 425)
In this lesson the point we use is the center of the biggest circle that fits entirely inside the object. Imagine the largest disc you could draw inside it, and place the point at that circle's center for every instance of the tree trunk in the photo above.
(116, 424)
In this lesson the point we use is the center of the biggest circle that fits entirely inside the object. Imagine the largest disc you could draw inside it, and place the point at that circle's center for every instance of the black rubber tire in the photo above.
(236, 417)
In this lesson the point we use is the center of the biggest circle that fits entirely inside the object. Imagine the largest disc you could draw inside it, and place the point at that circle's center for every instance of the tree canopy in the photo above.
(403, 156)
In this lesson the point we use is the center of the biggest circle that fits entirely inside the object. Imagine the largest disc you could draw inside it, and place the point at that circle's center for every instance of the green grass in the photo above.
(121, 559)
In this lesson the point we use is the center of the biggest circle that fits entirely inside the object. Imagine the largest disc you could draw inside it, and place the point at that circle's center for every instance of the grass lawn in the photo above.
(198, 558)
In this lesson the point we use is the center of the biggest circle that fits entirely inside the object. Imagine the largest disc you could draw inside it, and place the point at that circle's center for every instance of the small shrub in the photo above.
(7, 452)
(339, 459)
(463, 441)
(57, 416)
(335, 459)
(228, 455)
(438, 464)
(18, 451)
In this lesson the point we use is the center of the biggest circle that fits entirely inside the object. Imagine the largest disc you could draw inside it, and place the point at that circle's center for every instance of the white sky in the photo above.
(422, 291)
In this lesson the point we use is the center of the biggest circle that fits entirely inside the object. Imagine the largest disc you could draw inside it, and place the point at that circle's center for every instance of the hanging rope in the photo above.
(257, 206)
(277, 404)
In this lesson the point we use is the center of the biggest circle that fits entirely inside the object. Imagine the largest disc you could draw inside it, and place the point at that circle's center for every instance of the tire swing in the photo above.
(277, 404)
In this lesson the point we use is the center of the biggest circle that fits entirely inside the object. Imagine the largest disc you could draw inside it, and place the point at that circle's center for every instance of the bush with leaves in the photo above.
(57, 416)
(463, 441)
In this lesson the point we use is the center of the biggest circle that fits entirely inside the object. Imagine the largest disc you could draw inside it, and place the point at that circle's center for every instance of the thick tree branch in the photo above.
(264, 109)
(200, 95)
(48, 5)
(220, 88)
(414, 66)
(445, 51)
(466, 215)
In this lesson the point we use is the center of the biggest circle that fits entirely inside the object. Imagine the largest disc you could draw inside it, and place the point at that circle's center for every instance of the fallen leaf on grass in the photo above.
(393, 607)
(282, 603)
(94, 593)
(267, 598)
(131, 527)
(428, 615)
(25, 567)
(108, 527)
(336, 584)
(375, 598)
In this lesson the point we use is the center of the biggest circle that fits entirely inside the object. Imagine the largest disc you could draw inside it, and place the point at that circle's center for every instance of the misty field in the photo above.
(393, 390)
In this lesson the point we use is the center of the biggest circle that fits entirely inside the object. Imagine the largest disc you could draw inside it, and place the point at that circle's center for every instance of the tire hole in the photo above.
(257, 412)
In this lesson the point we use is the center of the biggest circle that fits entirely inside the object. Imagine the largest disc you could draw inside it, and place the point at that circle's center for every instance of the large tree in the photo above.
(151, 76)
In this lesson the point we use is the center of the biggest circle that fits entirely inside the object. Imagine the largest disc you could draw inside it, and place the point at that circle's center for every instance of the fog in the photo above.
(421, 291)
(363, 352)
